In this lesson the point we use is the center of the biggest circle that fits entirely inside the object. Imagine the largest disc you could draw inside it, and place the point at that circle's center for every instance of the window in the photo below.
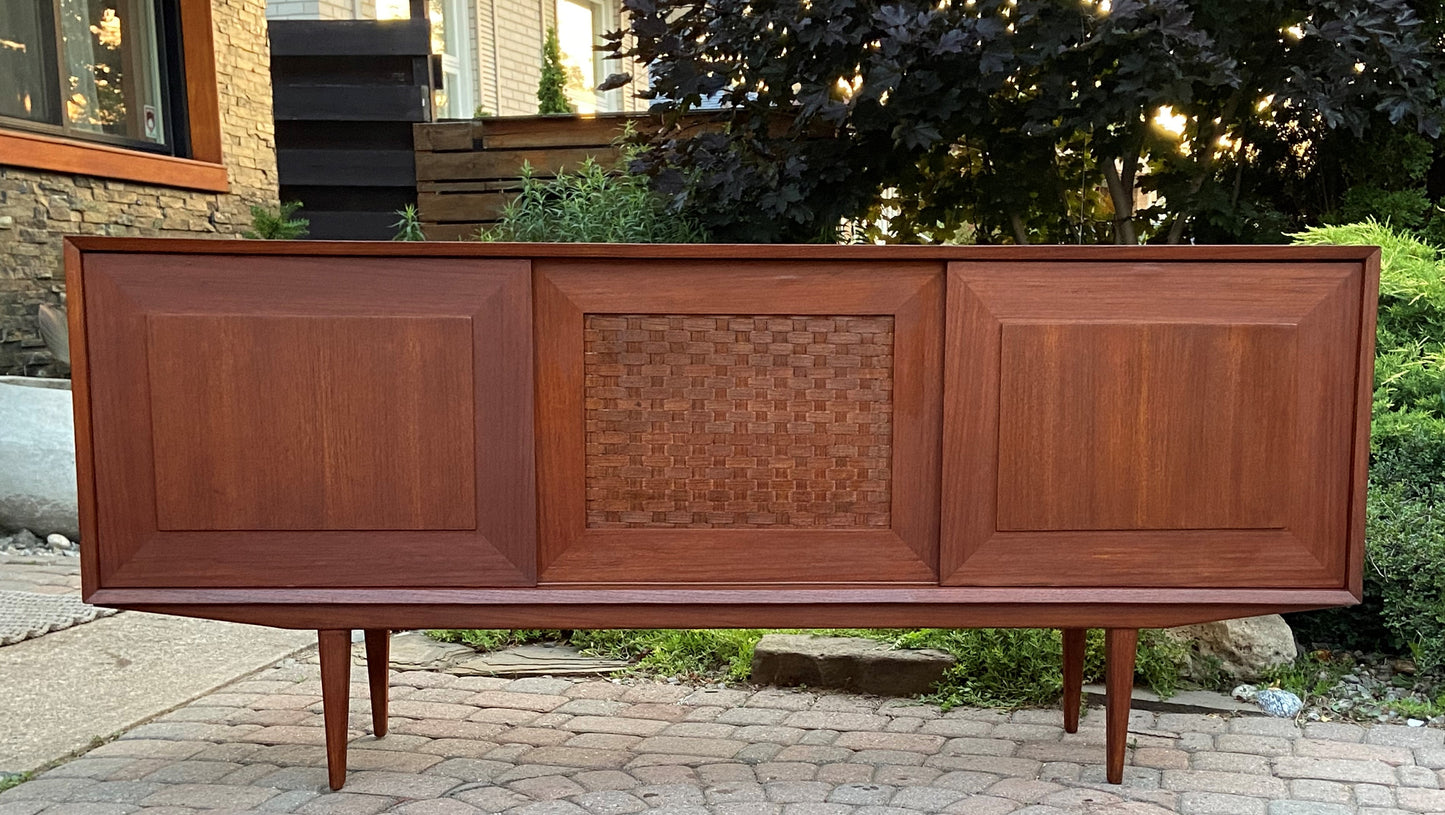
(92, 69)
(450, 38)
(580, 26)
(103, 88)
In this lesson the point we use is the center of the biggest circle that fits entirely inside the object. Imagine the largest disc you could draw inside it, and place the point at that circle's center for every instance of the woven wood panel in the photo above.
(738, 421)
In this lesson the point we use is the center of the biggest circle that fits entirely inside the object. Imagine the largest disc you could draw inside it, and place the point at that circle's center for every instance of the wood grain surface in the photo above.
(1150, 423)
(570, 550)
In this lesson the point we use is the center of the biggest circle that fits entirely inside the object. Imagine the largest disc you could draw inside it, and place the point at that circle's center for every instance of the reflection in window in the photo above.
(27, 61)
(580, 26)
(101, 74)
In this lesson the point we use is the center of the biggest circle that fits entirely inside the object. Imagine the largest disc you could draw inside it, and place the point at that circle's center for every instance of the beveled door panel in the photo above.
(311, 421)
(715, 421)
(1156, 424)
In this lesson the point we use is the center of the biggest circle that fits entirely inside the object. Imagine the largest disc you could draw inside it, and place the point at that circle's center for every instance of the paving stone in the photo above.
(1319, 748)
(904, 776)
(701, 730)
(758, 753)
(491, 798)
(1023, 790)
(786, 771)
(1229, 763)
(609, 802)
(673, 774)
(927, 799)
(1135, 778)
(768, 733)
(1374, 795)
(1081, 799)
(288, 801)
(719, 748)
(540, 702)
(987, 764)
(1059, 751)
(660, 711)
(72, 808)
(819, 737)
(1331, 769)
(1328, 792)
(782, 699)
(751, 716)
(443, 729)
(1259, 745)
(399, 785)
(983, 805)
(1400, 736)
(503, 715)
(1308, 808)
(910, 742)
(651, 692)
(1334, 731)
(835, 720)
(730, 792)
(1060, 771)
(978, 747)
(1417, 777)
(955, 727)
(1027, 732)
(861, 794)
(618, 725)
(437, 806)
(548, 808)
(46, 789)
(1263, 726)
(1227, 783)
(1420, 800)
(147, 748)
(784, 792)
(208, 796)
(1432, 757)
(847, 773)
(535, 736)
(965, 781)
(888, 757)
(1162, 758)
(591, 707)
(118, 792)
(391, 760)
(805, 808)
(547, 787)
(1214, 803)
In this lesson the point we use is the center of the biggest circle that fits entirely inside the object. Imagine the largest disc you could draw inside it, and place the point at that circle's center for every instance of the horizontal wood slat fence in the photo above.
(467, 171)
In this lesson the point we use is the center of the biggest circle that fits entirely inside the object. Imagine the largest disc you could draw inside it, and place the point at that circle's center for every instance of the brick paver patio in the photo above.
(545, 746)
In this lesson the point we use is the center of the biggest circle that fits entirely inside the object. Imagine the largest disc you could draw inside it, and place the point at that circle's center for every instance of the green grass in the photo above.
(1004, 668)
(8, 781)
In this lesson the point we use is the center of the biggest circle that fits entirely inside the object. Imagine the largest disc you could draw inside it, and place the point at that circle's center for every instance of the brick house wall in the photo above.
(37, 208)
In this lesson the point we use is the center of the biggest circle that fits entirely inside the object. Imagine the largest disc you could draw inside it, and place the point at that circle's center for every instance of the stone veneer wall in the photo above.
(37, 209)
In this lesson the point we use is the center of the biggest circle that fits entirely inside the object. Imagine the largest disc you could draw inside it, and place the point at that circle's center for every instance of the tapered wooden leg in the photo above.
(1120, 645)
(1073, 676)
(335, 699)
(378, 656)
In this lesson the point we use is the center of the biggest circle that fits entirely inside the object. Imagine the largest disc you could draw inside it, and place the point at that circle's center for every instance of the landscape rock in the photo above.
(37, 444)
(1244, 648)
(1279, 703)
(847, 663)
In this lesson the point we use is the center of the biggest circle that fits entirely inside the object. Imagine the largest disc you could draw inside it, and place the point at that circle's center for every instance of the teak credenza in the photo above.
(378, 436)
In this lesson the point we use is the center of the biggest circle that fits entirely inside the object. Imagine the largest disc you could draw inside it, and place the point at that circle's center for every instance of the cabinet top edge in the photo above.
(595, 251)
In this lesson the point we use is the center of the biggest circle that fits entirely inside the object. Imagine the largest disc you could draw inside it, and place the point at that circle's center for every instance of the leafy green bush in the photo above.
(1404, 597)
(594, 205)
(278, 224)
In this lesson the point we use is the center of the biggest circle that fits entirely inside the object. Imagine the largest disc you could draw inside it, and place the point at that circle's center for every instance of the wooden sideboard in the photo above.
(376, 436)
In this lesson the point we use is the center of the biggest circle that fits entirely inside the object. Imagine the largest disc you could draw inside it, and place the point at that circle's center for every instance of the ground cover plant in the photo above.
(996, 667)
(280, 224)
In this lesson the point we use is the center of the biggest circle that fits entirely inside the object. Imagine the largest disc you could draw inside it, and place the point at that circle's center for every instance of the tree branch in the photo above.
(1123, 204)
(1021, 235)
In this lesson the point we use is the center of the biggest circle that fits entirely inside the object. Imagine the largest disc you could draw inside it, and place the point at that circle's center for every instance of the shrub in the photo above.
(593, 205)
(408, 225)
(1404, 587)
(277, 224)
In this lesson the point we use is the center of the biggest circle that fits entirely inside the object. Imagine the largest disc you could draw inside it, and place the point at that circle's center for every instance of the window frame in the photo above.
(37, 149)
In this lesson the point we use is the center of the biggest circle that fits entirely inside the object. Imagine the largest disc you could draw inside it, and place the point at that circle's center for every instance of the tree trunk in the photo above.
(1123, 200)
(1021, 235)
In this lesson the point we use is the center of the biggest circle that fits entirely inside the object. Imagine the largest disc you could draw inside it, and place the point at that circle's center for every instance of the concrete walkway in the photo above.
(62, 691)
(542, 746)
